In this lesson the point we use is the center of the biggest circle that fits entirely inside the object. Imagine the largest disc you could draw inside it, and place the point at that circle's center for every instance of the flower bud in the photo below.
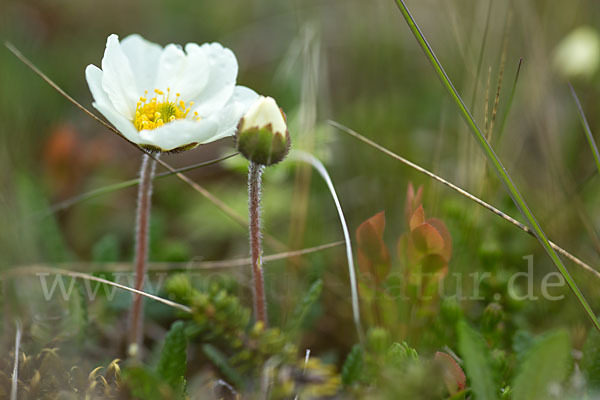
(262, 136)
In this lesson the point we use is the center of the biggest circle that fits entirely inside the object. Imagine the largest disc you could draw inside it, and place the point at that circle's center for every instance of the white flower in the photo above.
(167, 99)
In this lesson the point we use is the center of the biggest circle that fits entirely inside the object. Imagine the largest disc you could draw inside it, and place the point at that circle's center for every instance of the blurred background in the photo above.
(351, 61)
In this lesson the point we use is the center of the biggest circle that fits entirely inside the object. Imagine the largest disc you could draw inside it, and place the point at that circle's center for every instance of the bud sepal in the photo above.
(262, 136)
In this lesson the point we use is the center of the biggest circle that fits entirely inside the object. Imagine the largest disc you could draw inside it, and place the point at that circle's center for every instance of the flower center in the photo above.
(159, 110)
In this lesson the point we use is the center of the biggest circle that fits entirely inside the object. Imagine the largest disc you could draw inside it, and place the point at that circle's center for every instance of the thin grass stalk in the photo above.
(587, 129)
(464, 193)
(496, 163)
(510, 100)
(142, 228)
(15, 374)
(258, 283)
(500, 74)
(318, 165)
(183, 266)
(481, 52)
(63, 205)
(36, 270)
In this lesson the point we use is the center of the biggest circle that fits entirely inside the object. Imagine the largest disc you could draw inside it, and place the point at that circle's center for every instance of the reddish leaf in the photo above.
(427, 239)
(417, 218)
(439, 225)
(373, 254)
(453, 375)
(413, 200)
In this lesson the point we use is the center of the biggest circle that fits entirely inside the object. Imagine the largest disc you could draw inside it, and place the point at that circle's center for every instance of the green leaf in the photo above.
(477, 362)
(220, 361)
(144, 384)
(106, 249)
(399, 353)
(353, 366)
(304, 307)
(590, 364)
(171, 366)
(547, 362)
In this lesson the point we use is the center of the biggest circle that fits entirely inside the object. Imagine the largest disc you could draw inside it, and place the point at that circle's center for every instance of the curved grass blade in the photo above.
(586, 128)
(318, 165)
(464, 193)
(495, 161)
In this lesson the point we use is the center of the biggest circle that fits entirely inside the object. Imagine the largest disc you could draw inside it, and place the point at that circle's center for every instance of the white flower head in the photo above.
(168, 99)
(262, 135)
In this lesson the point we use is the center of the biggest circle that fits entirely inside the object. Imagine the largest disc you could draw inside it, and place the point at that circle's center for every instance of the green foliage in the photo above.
(171, 366)
(146, 384)
(378, 340)
(220, 361)
(305, 305)
(399, 353)
(547, 362)
(477, 362)
(353, 365)
(590, 363)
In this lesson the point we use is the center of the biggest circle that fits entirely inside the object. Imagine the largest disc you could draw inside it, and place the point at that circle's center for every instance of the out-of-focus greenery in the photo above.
(354, 62)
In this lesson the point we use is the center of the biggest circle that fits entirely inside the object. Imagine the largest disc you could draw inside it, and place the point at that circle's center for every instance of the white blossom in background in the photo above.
(578, 53)
(169, 98)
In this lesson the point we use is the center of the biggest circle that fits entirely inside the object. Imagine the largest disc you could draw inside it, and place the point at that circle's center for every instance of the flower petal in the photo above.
(221, 78)
(180, 133)
(229, 116)
(181, 73)
(118, 80)
(103, 104)
(143, 57)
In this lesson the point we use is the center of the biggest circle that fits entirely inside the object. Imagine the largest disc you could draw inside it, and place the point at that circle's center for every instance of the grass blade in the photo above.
(586, 128)
(123, 185)
(15, 374)
(495, 161)
(464, 193)
(80, 275)
(318, 165)
(510, 99)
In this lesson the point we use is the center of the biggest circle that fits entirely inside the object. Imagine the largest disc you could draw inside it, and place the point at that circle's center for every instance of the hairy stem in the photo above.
(141, 253)
(254, 187)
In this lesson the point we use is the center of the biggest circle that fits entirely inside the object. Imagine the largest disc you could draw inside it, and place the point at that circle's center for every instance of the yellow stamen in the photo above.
(157, 111)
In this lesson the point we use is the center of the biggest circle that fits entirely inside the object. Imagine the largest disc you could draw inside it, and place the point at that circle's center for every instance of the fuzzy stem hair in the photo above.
(254, 195)
(142, 224)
